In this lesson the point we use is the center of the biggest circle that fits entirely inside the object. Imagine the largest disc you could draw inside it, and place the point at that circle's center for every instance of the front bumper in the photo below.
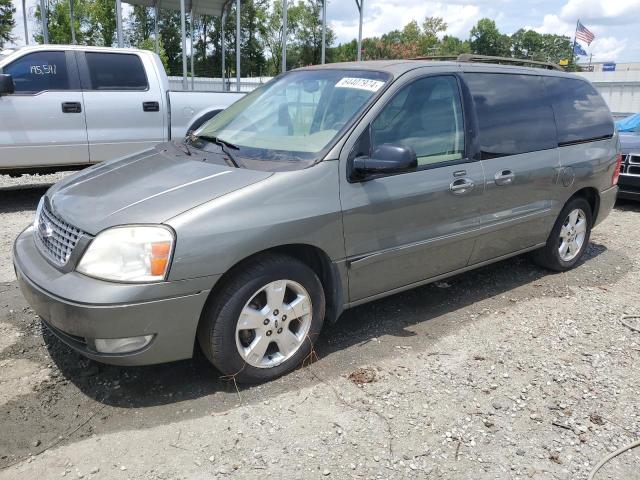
(629, 187)
(79, 309)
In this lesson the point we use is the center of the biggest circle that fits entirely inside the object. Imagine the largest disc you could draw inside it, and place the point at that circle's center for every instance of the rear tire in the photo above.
(568, 239)
(264, 320)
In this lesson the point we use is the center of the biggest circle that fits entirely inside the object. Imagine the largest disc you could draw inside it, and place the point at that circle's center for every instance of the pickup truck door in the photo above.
(405, 228)
(124, 104)
(43, 122)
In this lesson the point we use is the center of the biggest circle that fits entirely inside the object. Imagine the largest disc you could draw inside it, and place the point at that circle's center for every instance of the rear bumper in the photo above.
(607, 201)
(629, 187)
(79, 309)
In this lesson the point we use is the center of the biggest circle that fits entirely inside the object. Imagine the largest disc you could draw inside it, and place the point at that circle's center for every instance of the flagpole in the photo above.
(575, 35)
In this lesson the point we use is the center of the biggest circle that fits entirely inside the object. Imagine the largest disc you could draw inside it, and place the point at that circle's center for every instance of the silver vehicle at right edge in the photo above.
(328, 187)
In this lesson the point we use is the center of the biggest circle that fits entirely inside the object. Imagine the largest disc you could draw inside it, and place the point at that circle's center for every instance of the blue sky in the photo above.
(614, 22)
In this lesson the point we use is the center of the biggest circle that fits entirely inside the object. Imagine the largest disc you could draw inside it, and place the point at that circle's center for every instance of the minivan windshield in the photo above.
(294, 117)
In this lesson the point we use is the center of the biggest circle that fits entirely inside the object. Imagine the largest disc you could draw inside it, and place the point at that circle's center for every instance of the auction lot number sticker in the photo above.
(360, 83)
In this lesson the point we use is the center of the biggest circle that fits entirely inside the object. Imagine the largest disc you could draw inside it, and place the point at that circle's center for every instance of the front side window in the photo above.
(426, 116)
(116, 71)
(39, 71)
(514, 114)
(296, 116)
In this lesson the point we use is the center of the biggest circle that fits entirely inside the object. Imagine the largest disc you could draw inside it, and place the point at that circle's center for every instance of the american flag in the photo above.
(584, 34)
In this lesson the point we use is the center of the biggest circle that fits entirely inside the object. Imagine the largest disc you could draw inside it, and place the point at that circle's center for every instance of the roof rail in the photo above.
(470, 57)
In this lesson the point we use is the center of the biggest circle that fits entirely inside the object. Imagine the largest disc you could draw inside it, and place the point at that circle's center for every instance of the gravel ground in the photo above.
(505, 372)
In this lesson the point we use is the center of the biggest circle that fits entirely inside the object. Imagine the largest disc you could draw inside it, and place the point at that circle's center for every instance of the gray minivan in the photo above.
(328, 187)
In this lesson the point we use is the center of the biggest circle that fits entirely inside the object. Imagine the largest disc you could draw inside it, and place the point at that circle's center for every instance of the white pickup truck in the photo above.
(65, 107)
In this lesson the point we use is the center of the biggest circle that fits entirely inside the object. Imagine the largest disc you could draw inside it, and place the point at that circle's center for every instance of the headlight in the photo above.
(36, 220)
(129, 254)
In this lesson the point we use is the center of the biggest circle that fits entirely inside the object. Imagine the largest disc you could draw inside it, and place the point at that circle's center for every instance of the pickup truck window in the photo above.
(116, 71)
(39, 71)
(427, 116)
(295, 116)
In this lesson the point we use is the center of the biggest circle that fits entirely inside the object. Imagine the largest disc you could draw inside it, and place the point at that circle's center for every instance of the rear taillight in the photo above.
(616, 171)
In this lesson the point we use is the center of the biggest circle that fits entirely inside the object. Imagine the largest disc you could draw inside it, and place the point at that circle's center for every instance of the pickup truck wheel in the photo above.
(263, 322)
(568, 239)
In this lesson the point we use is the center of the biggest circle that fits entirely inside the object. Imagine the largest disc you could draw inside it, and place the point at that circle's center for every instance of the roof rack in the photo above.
(470, 57)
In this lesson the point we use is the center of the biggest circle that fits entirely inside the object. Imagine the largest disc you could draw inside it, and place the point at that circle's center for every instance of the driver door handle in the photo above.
(461, 186)
(504, 177)
(71, 107)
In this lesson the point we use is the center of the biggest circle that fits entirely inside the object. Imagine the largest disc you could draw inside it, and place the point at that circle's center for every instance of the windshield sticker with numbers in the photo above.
(360, 83)
(43, 70)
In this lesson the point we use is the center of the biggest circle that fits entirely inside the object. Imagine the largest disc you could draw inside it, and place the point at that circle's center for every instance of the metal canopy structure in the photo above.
(216, 8)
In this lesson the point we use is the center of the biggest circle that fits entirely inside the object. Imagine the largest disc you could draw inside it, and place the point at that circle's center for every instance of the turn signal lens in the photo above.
(160, 258)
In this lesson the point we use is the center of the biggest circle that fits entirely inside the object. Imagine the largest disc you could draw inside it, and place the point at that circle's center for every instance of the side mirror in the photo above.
(7, 86)
(387, 158)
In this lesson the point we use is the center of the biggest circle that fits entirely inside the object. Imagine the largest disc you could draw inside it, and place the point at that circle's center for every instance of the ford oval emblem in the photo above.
(46, 229)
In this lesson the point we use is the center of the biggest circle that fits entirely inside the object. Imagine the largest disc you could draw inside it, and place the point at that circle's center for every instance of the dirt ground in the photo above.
(505, 372)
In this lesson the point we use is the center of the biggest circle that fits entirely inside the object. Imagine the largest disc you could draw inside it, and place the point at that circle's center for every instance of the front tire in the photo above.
(264, 320)
(568, 239)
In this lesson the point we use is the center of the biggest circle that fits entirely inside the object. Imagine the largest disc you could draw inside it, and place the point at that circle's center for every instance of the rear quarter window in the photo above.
(514, 115)
(116, 71)
(581, 113)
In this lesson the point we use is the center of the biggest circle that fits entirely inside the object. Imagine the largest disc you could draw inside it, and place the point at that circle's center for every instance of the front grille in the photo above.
(55, 238)
(630, 164)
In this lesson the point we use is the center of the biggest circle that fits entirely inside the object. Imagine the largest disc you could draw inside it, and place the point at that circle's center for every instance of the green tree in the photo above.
(527, 44)
(453, 46)
(150, 44)
(486, 39)
(431, 27)
(93, 20)
(140, 25)
(7, 22)
(102, 22)
(169, 27)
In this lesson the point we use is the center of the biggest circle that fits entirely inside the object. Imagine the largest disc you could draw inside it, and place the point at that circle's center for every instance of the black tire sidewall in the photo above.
(553, 243)
(222, 329)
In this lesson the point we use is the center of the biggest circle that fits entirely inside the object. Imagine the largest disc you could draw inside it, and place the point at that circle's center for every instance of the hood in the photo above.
(630, 142)
(149, 187)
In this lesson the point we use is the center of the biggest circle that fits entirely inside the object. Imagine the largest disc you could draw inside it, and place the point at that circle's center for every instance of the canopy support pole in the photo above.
(73, 27)
(193, 75)
(183, 38)
(284, 36)
(119, 23)
(45, 23)
(324, 30)
(360, 4)
(238, 45)
(155, 26)
(223, 20)
(24, 18)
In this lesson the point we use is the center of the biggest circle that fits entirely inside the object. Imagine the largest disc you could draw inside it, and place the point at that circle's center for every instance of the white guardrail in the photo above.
(210, 84)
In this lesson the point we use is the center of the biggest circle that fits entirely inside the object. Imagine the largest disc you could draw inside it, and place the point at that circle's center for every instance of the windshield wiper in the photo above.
(223, 144)
(217, 141)
(186, 149)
